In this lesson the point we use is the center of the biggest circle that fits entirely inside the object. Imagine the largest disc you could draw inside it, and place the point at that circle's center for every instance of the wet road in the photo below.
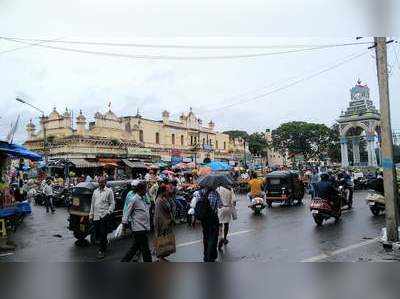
(281, 234)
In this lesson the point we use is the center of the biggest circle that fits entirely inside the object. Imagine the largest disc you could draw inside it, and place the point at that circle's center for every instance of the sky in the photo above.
(250, 93)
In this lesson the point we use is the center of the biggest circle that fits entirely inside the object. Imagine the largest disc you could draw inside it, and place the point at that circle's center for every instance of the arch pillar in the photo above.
(356, 150)
(371, 150)
(343, 150)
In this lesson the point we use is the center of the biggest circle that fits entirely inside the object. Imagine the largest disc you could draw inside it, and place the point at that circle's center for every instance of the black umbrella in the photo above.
(213, 181)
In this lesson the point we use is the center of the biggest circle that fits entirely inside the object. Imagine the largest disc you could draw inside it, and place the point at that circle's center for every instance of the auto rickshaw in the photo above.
(284, 187)
(79, 210)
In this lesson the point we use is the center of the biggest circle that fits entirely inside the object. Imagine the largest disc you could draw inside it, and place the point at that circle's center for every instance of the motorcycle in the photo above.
(376, 203)
(257, 205)
(322, 209)
(346, 190)
(376, 198)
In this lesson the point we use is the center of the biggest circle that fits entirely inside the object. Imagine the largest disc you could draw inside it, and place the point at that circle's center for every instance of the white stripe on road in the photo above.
(6, 254)
(339, 251)
(229, 235)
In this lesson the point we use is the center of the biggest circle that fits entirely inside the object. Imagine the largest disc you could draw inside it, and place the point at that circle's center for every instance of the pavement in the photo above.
(280, 234)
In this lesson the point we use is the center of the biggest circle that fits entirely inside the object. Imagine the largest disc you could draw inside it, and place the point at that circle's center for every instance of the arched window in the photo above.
(157, 138)
(173, 139)
(191, 140)
(141, 136)
(224, 145)
(182, 140)
(204, 141)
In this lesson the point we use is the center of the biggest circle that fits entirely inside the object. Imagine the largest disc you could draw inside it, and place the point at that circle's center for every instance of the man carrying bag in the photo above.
(206, 211)
(137, 215)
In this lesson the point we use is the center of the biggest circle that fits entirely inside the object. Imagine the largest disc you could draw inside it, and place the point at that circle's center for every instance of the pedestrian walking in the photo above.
(163, 221)
(48, 193)
(226, 213)
(314, 182)
(138, 217)
(103, 204)
(207, 212)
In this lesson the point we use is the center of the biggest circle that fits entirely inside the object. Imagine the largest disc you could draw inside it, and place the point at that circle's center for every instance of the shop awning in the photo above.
(108, 162)
(134, 164)
(82, 163)
(18, 151)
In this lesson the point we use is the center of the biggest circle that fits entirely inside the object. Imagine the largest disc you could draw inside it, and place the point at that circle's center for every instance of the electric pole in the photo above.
(389, 172)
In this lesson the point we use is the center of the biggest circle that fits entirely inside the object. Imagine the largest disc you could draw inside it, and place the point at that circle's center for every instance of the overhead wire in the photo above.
(28, 46)
(167, 57)
(295, 82)
(180, 46)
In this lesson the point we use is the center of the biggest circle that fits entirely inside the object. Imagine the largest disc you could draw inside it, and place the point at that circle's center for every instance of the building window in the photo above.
(191, 140)
(157, 138)
(204, 141)
(216, 144)
(173, 139)
(224, 145)
(182, 140)
(141, 136)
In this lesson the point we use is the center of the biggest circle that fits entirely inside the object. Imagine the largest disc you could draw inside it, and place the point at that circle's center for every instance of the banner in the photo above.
(139, 151)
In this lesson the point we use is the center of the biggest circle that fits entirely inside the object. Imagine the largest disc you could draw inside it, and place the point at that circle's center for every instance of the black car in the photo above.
(284, 187)
(79, 210)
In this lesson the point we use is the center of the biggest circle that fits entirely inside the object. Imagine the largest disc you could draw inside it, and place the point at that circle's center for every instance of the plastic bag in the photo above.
(117, 233)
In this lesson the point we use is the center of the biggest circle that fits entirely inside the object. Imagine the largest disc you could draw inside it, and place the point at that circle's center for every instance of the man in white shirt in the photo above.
(48, 193)
(102, 206)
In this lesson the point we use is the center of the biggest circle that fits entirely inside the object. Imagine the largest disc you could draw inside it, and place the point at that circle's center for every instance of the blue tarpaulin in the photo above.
(18, 151)
(218, 166)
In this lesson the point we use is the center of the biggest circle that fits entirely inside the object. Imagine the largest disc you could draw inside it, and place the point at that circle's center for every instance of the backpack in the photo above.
(203, 210)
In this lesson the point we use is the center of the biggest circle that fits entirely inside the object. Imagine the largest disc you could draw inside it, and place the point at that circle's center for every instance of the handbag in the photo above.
(234, 213)
(164, 245)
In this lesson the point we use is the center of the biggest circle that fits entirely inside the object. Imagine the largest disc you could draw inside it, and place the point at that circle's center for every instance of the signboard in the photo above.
(176, 152)
(187, 160)
(139, 151)
(175, 160)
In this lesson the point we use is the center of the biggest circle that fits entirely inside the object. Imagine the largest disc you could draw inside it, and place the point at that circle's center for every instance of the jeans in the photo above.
(49, 203)
(100, 228)
(210, 239)
(313, 188)
(141, 245)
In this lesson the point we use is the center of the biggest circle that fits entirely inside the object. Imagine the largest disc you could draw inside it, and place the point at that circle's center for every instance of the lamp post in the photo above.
(44, 125)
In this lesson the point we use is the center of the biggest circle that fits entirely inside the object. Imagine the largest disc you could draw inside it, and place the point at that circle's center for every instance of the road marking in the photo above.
(229, 235)
(6, 254)
(339, 251)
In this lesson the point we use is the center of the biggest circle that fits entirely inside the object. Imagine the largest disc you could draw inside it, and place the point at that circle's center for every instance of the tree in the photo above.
(258, 144)
(309, 139)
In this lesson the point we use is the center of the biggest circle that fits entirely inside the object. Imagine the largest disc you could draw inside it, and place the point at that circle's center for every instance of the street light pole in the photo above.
(389, 173)
(44, 125)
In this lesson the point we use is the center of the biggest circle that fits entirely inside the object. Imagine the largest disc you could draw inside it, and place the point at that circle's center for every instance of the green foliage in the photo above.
(309, 139)
(258, 145)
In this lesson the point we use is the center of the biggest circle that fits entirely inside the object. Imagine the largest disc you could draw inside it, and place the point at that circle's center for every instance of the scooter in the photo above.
(322, 209)
(376, 203)
(257, 205)
(376, 198)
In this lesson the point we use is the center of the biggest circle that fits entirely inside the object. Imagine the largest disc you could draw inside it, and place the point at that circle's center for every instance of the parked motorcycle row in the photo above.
(61, 196)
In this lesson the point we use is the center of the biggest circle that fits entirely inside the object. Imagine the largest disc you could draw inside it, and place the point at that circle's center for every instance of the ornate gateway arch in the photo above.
(360, 116)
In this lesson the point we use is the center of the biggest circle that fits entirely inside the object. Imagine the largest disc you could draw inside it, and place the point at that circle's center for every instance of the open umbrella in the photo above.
(213, 181)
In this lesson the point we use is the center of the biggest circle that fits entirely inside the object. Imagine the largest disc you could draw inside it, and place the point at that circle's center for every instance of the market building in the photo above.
(111, 139)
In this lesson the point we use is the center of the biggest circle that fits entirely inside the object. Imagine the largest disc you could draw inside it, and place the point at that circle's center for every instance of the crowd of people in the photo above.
(150, 205)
